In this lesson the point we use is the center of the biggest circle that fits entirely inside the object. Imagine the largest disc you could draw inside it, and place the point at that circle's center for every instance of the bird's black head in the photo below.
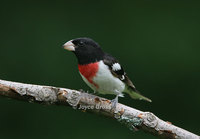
(86, 50)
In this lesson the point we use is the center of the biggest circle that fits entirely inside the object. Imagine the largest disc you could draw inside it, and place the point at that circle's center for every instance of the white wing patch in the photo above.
(122, 78)
(116, 67)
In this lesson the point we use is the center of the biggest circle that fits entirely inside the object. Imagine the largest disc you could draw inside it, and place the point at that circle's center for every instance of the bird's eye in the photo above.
(81, 43)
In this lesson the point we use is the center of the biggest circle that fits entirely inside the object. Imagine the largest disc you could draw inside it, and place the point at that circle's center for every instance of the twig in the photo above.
(134, 119)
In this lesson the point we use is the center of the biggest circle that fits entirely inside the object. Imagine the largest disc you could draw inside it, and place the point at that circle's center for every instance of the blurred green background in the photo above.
(157, 42)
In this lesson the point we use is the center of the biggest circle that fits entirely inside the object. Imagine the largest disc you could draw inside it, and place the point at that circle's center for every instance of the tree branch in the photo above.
(134, 119)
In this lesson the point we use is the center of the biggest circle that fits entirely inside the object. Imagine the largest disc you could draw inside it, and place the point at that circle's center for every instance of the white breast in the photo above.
(108, 84)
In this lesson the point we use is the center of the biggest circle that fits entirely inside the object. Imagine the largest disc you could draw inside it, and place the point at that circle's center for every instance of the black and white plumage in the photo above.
(101, 71)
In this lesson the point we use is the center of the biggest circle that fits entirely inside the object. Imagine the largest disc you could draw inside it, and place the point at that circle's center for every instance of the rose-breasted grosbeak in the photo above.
(100, 70)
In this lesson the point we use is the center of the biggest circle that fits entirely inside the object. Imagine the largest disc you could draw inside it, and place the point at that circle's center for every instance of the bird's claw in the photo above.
(114, 102)
(81, 90)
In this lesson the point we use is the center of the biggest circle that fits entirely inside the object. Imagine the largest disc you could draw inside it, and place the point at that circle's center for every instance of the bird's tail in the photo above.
(136, 94)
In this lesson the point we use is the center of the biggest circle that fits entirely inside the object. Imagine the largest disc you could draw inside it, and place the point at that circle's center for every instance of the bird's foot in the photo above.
(81, 90)
(114, 102)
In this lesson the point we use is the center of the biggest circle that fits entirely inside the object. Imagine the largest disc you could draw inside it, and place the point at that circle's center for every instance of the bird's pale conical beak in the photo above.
(69, 46)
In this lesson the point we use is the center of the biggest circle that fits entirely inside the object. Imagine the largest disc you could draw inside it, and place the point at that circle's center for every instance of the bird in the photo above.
(101, 71)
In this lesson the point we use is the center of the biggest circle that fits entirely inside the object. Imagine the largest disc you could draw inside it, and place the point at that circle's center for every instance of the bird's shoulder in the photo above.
(116, 69)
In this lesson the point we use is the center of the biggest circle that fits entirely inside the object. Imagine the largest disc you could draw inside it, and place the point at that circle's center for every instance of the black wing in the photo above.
(117, 70)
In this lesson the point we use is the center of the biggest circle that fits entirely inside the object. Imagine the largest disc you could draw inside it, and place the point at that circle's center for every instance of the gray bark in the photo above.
(134, 119)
